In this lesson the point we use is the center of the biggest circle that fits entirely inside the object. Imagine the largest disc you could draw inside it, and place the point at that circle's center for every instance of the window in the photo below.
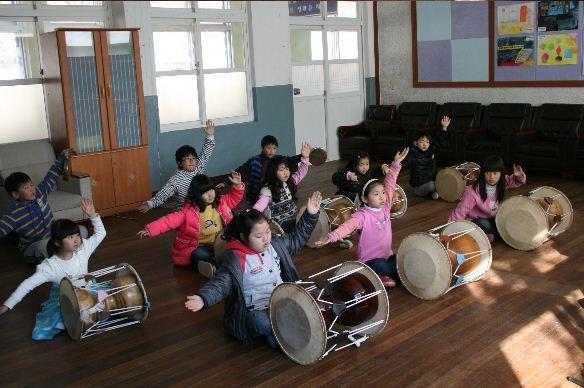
(201, 63)
(313, 8)
(21, 91)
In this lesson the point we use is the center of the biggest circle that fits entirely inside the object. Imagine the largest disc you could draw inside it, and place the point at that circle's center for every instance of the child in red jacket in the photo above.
(199, 222)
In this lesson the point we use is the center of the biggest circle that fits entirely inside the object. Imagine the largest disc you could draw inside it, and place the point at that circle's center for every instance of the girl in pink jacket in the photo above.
(480, 201)
(199, 222)
(375, 223)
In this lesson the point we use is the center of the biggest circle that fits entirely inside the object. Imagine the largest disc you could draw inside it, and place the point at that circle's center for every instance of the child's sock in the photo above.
(435, 195)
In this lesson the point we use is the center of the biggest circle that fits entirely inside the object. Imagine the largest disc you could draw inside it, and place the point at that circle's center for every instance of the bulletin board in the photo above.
(497, 44)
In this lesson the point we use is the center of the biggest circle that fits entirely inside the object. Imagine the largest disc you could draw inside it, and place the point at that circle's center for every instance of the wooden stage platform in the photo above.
(523, 324)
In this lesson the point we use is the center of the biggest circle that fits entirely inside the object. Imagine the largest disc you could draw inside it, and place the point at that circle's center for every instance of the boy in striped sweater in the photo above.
(30, 216)
(188, 166)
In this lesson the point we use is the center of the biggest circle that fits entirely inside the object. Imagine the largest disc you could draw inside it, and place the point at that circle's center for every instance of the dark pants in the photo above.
(203, 252)
(384, 267)
(488, 225)
(258, 324)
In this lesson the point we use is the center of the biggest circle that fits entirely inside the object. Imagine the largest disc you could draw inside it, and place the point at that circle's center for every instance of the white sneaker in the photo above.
(206, 269)
(435, 195)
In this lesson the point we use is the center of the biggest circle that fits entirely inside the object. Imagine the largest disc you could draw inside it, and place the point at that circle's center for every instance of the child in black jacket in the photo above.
(353, 176)
(421, 160)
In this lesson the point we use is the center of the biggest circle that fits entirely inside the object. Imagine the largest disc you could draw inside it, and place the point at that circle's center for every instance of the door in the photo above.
(99, 168)
(327, 78)
(84, 91)
(123, 83)
(131, 175)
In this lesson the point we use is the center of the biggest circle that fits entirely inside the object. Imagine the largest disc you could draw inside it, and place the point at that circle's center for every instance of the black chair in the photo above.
(465, 116)
(500, 123)
(411, 116)
(354, 138)
(552, 139)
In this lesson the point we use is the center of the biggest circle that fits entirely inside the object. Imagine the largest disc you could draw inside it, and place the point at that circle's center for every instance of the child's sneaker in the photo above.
(345, 243)
(435, 195)
(387, 281)
(206, 269)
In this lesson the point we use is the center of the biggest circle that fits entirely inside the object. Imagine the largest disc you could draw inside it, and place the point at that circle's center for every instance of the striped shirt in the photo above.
(179, 182)
(32, 219)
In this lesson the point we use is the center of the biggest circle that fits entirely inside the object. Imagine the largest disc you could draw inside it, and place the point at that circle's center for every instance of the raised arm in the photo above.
(208, 146)
(264, 200)
(517, 179)
(90, 244)
(391, 173)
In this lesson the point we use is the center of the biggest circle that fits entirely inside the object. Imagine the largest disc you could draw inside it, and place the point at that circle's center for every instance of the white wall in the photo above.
(395, 62)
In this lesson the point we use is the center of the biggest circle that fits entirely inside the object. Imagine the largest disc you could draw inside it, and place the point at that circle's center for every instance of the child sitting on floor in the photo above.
(353, 176)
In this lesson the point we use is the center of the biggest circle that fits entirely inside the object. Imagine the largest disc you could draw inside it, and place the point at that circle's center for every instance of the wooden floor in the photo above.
(523, 324)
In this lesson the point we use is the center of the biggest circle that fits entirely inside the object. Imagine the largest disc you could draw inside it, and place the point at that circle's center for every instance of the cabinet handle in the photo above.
(103, 91)
(109, 90)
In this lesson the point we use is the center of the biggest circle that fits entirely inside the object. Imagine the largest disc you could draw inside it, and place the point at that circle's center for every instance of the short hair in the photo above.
(421, 134)
(15, 180)
(183, 152)
(269, 140)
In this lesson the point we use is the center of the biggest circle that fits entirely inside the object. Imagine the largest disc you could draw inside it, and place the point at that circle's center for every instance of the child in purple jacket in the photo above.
(375, 223)
(480, 201)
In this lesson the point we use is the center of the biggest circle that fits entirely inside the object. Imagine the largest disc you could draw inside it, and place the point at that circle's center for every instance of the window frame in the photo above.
(171, 17)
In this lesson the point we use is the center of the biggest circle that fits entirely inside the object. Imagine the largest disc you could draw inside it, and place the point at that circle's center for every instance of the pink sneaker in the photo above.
(387, 281)
(491, 237)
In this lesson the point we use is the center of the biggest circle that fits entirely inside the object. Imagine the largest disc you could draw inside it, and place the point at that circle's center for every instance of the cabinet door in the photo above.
(99, 168)
(84, 92)
(131, 175)
(121, 57)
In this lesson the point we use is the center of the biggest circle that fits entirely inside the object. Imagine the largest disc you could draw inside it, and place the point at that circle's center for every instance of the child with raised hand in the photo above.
(374, 221)
(189, 165)
(254, 264)
(30, 215)
(199, 222)
(69, 257)
(278, 196)
(480, 202)
(353, 176)
(422, 160)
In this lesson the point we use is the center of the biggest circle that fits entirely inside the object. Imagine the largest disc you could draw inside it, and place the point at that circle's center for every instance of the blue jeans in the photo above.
(425, 189)
(204, 252)
(258, 324)
(488, 225)
(384, 267)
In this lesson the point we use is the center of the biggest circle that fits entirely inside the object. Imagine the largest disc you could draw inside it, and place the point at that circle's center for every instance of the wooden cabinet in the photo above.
(95, 104)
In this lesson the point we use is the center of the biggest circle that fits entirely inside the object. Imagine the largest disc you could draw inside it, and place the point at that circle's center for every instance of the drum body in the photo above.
(328, 311)
(117, 300)
(333, 212)
(221, 244)
(432, 263)
(452, 181)
(527, 221)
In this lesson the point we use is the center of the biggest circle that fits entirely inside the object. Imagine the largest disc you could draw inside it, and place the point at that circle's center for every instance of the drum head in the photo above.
(338, 209)
(317, 156)
(321, 228)
(128, 270)
(561, 206)
(297, 323)
(522, 223)
(382, 313)
(275, 228)
(399, 202)
(423, 266)
(450, 184)
(475, 240)
(70, 309)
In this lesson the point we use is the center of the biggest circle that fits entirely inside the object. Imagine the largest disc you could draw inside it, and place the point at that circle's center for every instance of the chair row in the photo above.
(547, 137)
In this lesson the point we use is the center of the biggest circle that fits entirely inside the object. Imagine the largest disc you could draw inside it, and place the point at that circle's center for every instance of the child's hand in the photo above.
(3, 309)
(220, 186)
(305, 150)
(399, 156)
(322, 242)
(313, 204)
(351, 176)
(144, 207)
(88, 208)
(517, 170)
(68, 152)
(384, 169)
(194, 303)
(210, 128)
(235, 178)
(445, 122)
(143, 233)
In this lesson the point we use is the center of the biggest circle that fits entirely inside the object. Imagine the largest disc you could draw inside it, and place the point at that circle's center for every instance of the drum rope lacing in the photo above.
(555, 215)
(335, 220)
(469, 170)
(349, 334)
(105, 324)
(460, 257)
